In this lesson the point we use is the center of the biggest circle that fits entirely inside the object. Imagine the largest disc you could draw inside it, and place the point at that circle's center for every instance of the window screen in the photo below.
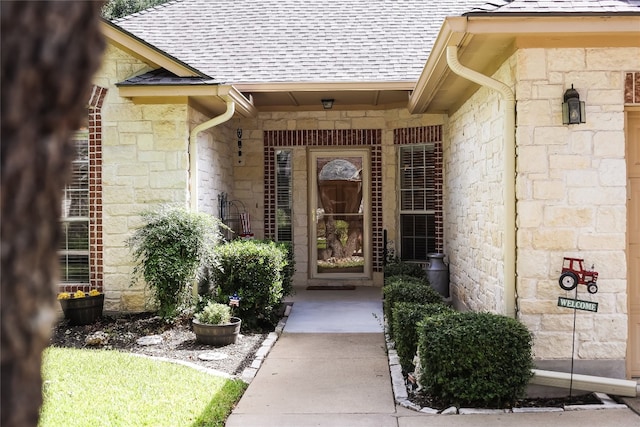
(74, 245)
(418, 200)
(284, 195)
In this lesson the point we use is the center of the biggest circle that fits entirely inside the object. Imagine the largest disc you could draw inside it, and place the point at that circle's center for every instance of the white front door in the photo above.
(339, 209)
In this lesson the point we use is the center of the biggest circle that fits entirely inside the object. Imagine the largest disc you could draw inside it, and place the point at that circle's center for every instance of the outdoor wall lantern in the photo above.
(327, 104)
(573, 111)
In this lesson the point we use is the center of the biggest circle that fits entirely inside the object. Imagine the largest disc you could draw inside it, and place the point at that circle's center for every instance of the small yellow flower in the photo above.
(94, 293)
(64, 295)
(79, 294)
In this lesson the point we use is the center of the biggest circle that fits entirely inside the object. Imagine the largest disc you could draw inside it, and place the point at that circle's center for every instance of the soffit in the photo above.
(210, 99)
(484, 44)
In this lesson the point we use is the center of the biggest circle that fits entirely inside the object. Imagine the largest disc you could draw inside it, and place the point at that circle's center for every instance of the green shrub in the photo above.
(475, 359)
(401, 268)
(406, 289)
(214, 314)
(289, 269)
(169, 250)
(406, 316)
(254, 270)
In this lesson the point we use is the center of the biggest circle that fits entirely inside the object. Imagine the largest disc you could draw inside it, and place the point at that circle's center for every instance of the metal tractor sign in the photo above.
(574, 274)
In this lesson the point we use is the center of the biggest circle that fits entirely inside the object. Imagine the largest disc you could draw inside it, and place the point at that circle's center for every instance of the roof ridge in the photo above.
(556, 7)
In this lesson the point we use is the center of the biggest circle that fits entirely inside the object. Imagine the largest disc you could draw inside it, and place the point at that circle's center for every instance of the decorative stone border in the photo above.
(402, 397)
(249, 373)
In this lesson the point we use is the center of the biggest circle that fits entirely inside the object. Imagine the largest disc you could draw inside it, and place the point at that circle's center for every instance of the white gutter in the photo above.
(509, 176)
(613, 386)
(193, 148)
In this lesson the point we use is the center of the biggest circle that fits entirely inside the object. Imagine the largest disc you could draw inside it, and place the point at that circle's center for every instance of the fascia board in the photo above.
(323, 86)
(558, 25)
(146, 52)
(244, 106)
(168, 90)
(456, 31)
(436, 69)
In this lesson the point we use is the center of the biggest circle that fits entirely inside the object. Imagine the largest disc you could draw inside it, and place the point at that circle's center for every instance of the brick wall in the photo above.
(296, 128)
(327, 138)
(96, 247)
(423, 135)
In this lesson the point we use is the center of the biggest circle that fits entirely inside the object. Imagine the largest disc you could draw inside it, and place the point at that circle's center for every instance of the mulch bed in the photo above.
(177, 340)
(425, 400)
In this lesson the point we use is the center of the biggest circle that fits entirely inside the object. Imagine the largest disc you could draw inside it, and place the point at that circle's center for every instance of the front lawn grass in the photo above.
(110, 388)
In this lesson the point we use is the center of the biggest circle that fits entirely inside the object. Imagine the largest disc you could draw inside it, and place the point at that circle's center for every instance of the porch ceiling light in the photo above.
(327, 104)
(573, 110)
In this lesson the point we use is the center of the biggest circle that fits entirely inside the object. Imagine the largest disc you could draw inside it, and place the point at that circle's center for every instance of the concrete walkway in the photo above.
(330, 368)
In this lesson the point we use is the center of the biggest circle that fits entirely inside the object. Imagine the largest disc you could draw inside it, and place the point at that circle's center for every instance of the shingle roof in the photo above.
(162, 77)
(238, 41)
(268, 41)
(558, 6)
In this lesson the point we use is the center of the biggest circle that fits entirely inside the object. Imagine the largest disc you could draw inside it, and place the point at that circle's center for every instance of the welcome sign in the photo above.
(578, 304)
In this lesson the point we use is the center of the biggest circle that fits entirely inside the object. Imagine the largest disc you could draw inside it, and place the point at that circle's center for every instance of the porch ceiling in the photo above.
(309, 96)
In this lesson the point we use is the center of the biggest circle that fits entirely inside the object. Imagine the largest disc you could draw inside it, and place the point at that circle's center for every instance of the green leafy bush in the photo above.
(169, 250)
(401, 268)
(475, 359)
(406, 316)
(289, 268)
(214, 314)
(254, 270)
(406, 289)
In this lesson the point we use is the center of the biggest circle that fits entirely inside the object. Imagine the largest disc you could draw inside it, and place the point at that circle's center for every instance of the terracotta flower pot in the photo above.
(82, 311)
(217, 335)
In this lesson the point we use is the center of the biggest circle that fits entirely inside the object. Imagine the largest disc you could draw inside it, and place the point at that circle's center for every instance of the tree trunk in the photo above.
(50, 51)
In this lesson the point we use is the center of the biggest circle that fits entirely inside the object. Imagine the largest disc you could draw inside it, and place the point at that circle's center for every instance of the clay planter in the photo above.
(82, 311)
(217, 335)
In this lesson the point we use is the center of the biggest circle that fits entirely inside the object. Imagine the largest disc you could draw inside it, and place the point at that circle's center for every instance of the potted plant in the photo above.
(82, 308)
(214, 325)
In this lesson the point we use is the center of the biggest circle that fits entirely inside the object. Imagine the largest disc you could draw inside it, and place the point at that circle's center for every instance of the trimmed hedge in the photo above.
(289, 268)
(475, 359)
(402, 268)
(255, 270)
(406, 316)
(406, 289)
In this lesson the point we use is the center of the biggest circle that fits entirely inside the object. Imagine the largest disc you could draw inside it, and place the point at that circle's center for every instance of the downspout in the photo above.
(509, 177)
(193, 149)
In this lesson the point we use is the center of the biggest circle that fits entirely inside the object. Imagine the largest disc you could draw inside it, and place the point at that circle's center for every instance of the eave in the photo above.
(485, 42)
(289, 96)
(210, 99)
(146, 52)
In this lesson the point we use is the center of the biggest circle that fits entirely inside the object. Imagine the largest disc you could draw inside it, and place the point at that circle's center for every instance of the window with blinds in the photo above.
(74, 245)
(284, 195)
(417, 164)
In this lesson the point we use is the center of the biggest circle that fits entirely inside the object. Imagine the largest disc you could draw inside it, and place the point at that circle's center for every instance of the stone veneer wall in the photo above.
(571, 190)
(248, 177)
(474, 207)
(145, 163)
(215, 170)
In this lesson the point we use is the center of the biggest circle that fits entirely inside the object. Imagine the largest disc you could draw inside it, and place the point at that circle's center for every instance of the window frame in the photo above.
(64, 253)
(429, 212)
(288, 204)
